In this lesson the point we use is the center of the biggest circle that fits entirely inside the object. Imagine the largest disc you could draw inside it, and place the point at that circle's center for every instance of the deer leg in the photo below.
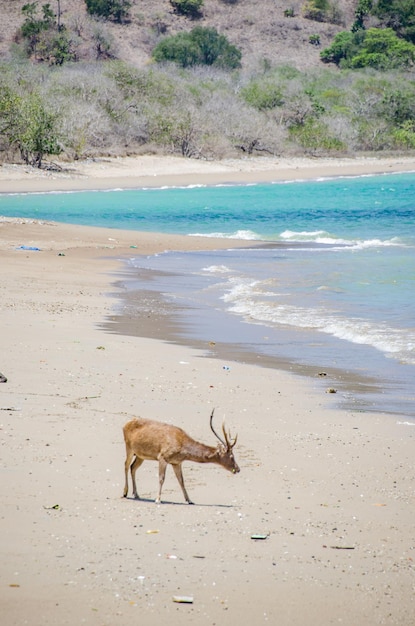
(134, 467)
(162, 475)
(127, 464)
(179, 476)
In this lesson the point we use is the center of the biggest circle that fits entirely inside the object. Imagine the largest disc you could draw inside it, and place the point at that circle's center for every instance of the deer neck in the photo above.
(200, 453)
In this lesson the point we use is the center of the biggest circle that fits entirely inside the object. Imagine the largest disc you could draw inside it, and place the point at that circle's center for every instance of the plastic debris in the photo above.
(152, 532)
(183, 599)
(331, 390)
(259, 536)
(28, 248)
(3, 379)
(226, 368)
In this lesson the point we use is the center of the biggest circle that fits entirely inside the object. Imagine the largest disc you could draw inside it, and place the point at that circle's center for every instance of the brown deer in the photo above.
(168, 444)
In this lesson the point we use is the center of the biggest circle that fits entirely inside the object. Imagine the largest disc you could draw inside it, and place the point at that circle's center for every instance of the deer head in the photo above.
(227, 460)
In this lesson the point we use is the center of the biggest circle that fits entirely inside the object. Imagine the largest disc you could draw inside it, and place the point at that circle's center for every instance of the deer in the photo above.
(148, 440)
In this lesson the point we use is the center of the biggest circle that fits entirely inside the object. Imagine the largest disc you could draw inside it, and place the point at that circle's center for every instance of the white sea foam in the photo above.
(322, 237)
(339, 177)
(216, 269)
(305, 234)
(247, 235)
(240, 287)
(378, 243)
(314, 236)
(245, 298)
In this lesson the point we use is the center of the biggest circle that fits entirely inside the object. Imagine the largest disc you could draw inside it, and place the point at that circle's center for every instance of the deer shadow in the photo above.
(172, 503)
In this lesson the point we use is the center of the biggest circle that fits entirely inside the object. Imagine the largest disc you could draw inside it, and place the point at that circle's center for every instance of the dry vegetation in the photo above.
(258, 28)
(283, 100)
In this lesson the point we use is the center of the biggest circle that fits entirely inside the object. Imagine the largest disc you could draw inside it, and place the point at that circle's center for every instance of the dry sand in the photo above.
(332, 491)
(156, 171)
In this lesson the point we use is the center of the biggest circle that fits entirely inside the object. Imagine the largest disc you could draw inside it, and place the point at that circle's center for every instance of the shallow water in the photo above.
(333, 289)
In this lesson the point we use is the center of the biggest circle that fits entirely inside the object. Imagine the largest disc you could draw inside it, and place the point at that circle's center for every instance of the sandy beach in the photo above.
(159, 171)
(329, 494)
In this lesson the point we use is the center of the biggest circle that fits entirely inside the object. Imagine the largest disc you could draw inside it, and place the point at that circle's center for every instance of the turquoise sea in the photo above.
(332, 289)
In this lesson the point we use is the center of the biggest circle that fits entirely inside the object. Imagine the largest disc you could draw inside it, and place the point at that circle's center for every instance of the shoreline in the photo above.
(353, 391)
(330, 491)
(150, 171)
(155, 171)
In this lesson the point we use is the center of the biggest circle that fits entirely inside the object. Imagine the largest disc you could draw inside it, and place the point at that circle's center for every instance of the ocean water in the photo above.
(328, 283)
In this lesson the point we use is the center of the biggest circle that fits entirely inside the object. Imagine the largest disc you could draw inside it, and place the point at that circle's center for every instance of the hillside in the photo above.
(284, 100)
(258, 29)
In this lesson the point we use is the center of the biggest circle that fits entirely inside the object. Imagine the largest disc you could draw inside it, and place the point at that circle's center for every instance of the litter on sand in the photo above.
(183, 599)
(258, 536)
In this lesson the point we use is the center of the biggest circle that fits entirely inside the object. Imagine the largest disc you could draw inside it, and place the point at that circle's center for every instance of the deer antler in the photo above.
(227, 443)
(214, 431)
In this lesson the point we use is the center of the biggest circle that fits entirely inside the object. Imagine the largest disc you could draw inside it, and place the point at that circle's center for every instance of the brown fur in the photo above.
(148, 440)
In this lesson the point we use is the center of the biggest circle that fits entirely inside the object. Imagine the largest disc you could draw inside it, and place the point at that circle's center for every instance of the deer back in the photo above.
(149, 439)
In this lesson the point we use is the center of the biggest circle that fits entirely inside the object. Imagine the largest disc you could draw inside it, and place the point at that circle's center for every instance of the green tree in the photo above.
(9, 115)
(379, 48)
(314, 135)
(115, 10)
(398, 104)
(398, 12)
(25, 123)
(382, 49)
(188, 7)
(316, 10)
(399, 15)
(56, 47)
(180, 49)
(201, 46)
(322, 11)
(362, 10)
(46, 39)
(34, 25)
(345, 45)
(405, 135)
(263, 94)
